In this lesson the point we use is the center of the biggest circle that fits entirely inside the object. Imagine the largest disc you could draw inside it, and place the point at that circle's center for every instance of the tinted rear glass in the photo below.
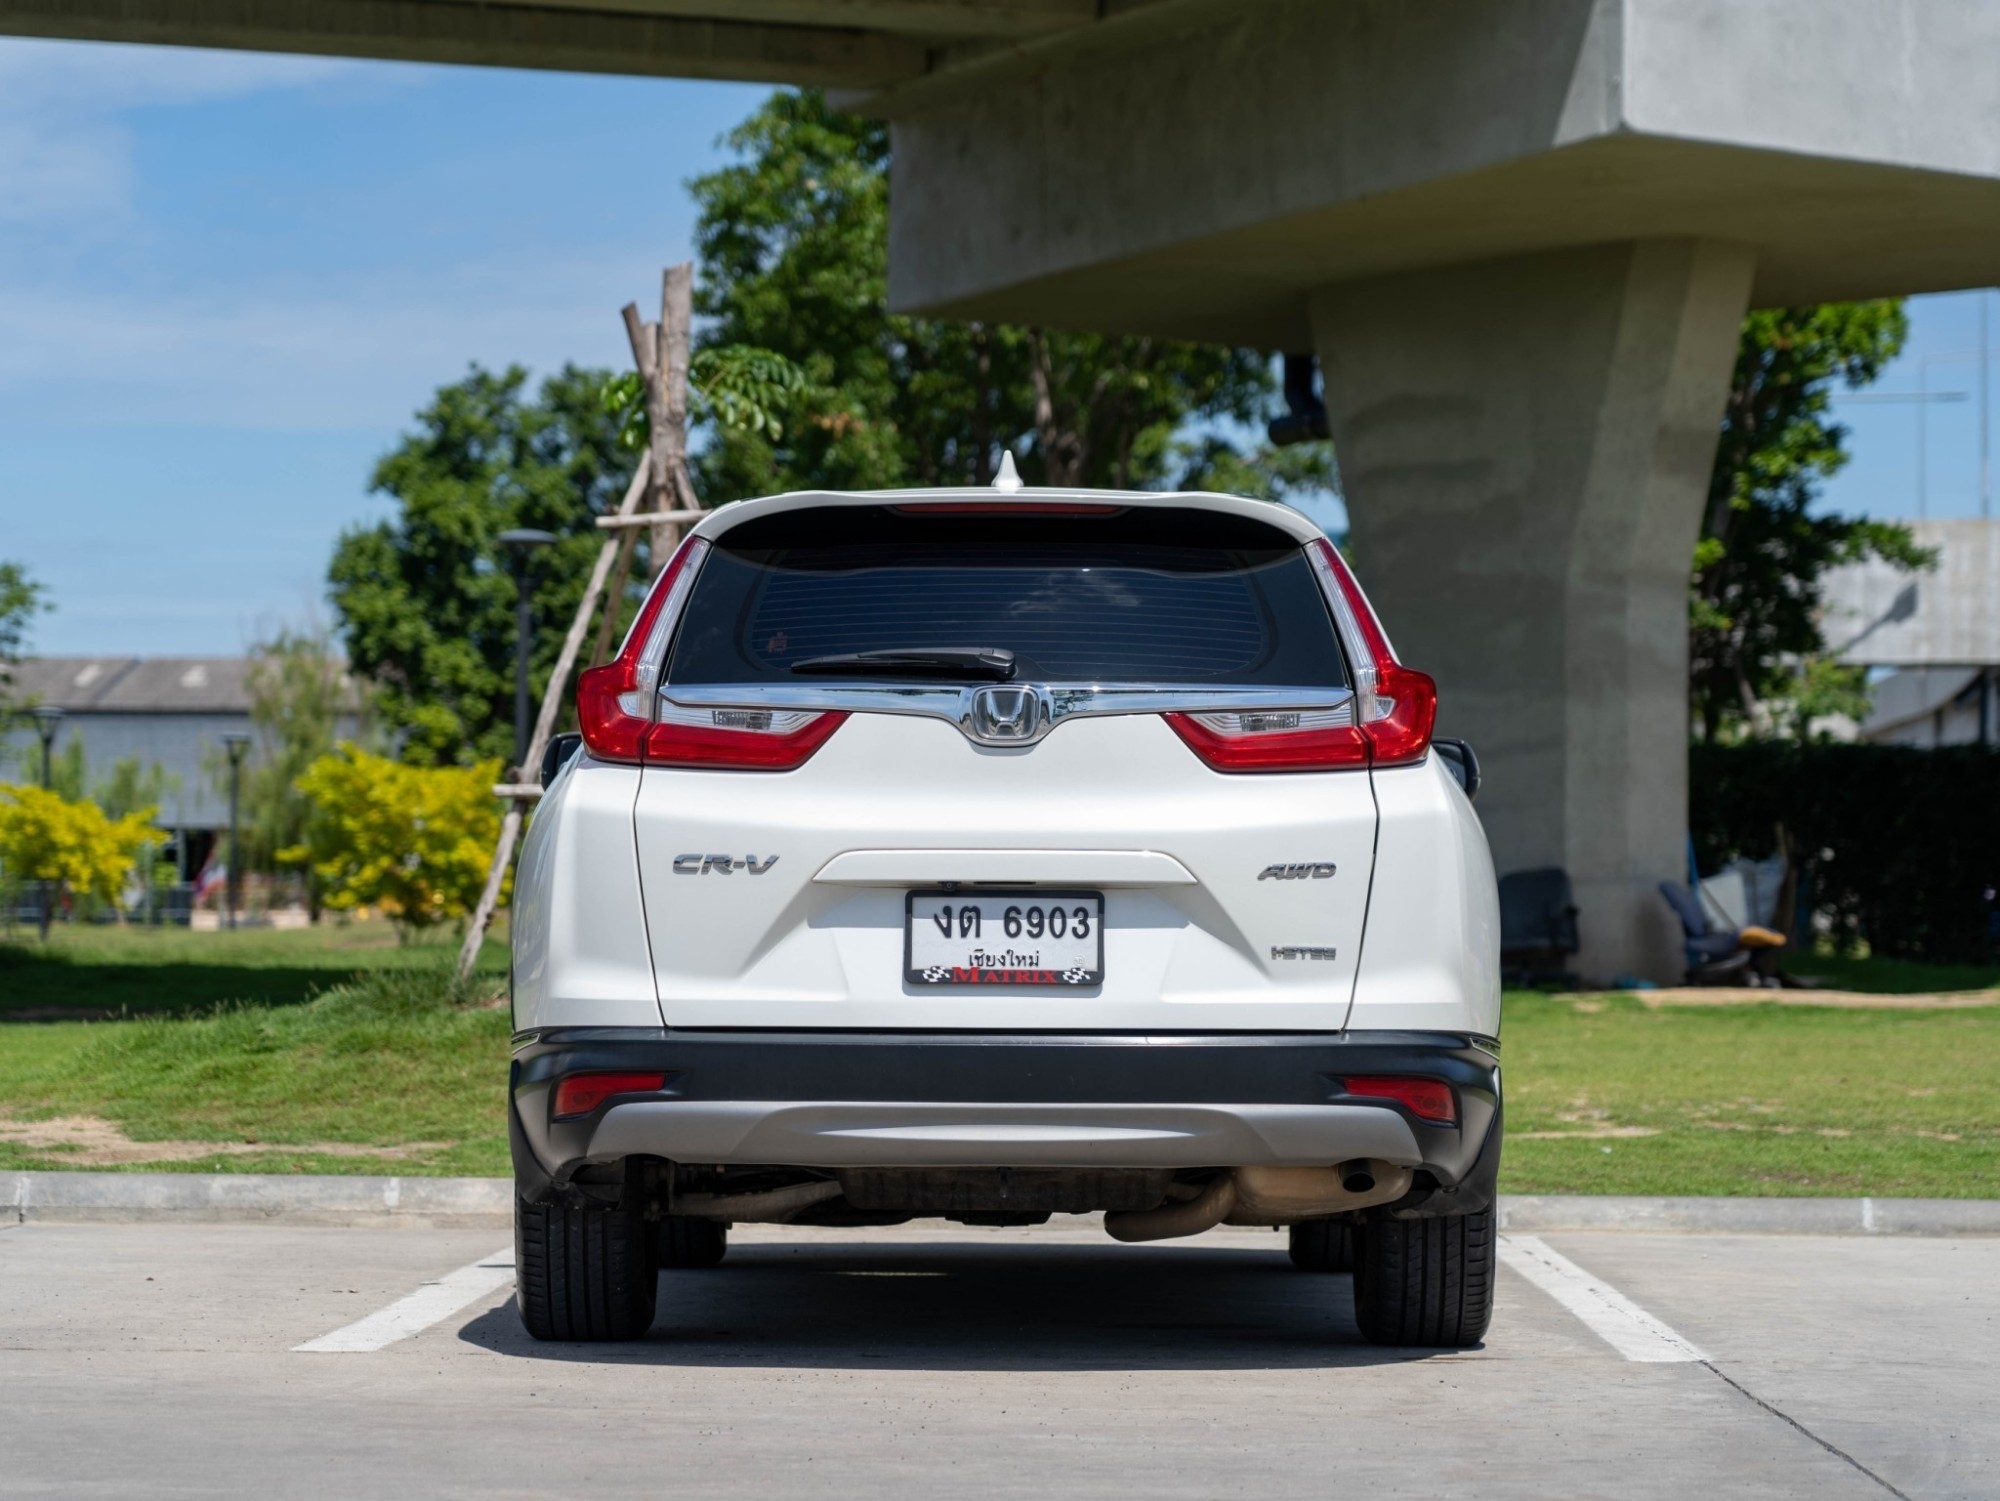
(1143, 595)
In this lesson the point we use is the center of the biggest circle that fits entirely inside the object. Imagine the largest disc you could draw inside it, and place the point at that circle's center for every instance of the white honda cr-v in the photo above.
(994, 855)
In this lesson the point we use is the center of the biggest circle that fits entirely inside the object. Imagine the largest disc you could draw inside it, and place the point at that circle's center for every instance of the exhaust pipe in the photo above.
(1266, 1196)
(772, 1207)
(1285, 1195)
(1169, 1220)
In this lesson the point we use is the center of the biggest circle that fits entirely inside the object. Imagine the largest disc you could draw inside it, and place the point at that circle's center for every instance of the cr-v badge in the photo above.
(701, 865)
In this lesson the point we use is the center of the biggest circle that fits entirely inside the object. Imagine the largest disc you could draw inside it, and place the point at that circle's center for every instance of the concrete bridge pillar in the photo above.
(1525, 447)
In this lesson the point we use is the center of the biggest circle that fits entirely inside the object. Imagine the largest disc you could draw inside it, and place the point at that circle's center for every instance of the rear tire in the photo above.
(690, 1244)
(584, 1272)
(1323, 1246)
(1425, 1282)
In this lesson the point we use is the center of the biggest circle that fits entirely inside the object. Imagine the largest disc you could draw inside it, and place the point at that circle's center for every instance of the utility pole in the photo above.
(1985, 411)
(48, 719)
(523, 540)
(1921, 398)
(236, 743)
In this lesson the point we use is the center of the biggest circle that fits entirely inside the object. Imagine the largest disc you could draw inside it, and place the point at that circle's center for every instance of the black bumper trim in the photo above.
(1460, 1162)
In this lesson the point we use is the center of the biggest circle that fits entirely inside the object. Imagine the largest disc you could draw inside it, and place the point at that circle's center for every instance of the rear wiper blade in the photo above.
(919, 661)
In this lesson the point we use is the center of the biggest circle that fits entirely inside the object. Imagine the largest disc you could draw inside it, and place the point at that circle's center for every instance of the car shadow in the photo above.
(954, 1306)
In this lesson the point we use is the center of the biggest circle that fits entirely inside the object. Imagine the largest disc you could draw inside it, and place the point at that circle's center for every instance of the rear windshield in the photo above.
(1143, 595)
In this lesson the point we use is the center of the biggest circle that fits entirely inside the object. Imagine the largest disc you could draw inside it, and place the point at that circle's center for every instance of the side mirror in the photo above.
(559, 749)
(1462, 763)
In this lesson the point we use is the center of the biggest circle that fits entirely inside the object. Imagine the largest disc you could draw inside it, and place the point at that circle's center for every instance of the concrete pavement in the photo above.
(157, 1359)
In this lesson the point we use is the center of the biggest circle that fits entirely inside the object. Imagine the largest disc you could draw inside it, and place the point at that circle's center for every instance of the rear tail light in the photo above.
(737, 739)
(1431, 1099)
(1291, 740)
(580, 1094)
(618, 705)
(1395, 706)
(1388, 724)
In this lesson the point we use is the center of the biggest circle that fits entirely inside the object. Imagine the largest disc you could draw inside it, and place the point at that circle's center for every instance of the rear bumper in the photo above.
(834, 1100)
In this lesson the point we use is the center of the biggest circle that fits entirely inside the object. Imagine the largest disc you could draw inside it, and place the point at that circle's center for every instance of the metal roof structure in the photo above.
(136, 685)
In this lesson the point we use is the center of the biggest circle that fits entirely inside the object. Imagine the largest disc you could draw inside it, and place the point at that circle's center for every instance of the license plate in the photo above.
(1004, 938)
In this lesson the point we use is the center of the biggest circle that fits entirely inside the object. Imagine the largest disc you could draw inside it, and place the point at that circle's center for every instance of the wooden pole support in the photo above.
(545, 724)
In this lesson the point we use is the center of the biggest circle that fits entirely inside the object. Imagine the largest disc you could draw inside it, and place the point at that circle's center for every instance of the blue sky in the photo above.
(227, 280)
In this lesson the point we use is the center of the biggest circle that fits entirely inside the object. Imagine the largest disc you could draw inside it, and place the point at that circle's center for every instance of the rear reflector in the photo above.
(580, 1094)
(619, 711)
(1431, 1099)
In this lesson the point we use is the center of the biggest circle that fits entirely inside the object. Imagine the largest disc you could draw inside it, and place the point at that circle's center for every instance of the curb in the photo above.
(448, 1203)
(253, 1198)
(1751, 1216)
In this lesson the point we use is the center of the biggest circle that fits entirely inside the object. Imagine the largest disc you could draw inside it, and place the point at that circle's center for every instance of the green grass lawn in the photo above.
(97, 970)
(1605, 1095)
(399, 1071)
(1893, 976)
(389, 1068)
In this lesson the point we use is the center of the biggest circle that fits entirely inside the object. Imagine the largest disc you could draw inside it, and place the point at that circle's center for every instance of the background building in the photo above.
(1936, 635)
(171, 712)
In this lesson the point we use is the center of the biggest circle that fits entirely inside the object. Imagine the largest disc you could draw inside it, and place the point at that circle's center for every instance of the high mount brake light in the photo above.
(1430, 1099)
(580, 1094)
(1390, 721)
(1006, 508)
(619, 711)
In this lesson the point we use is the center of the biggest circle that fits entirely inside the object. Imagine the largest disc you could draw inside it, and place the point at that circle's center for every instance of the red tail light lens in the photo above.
(1395, 707)
(1389, 723)
(1432, 1099)
(619, 711)
(580, 1094)
(1284, 741)
(737, 739)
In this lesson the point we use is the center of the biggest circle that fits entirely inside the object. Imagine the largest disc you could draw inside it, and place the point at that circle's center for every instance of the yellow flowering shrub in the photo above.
(45, 836)
(412, 840)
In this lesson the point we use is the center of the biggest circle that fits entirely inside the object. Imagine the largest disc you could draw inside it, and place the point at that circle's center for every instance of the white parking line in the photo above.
(1612, 1317)
(421, 1309)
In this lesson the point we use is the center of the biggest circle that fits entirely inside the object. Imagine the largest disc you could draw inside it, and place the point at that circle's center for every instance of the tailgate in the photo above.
(1230, 902)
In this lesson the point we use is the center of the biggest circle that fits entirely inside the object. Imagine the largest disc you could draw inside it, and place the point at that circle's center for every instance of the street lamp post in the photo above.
(523, 540)
(236, 743)
(48, 720)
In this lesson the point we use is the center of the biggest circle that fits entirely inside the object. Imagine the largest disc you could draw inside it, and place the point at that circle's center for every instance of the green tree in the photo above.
(426, 601)
(1764, 553)
(129, 785)
(411, 840)
(793, 242)
(21, 600)
(1291, 473)
(303, 703)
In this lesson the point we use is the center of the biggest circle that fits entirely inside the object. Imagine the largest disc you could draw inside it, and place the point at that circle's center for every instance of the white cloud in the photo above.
(325, 353)
(99, 316)
(65, 149)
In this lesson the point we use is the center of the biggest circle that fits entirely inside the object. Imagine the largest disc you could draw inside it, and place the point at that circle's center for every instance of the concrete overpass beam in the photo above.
(1525, 446)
